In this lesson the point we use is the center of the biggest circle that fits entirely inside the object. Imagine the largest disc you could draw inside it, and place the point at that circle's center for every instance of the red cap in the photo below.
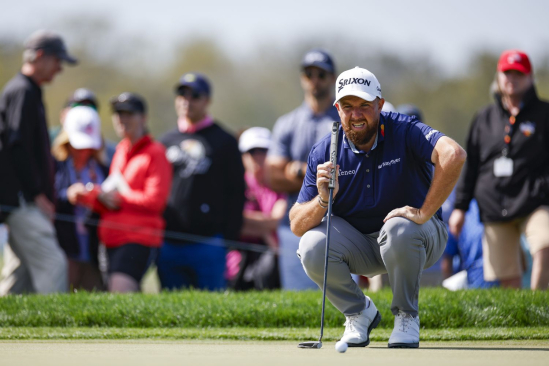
(514, 60)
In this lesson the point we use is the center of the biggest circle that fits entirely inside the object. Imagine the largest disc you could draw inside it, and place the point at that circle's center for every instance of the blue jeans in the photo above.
(201, 266)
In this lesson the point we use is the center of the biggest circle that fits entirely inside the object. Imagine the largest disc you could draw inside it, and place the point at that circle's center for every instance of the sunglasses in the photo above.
(189, 94)
(320, 74)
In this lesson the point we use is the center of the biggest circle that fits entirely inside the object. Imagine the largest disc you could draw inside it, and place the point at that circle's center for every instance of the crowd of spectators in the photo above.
(210, 211)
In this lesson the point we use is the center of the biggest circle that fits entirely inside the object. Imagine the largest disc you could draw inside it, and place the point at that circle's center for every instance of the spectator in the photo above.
(207, 196)
(132, 198)
(82, 97)
(507, 171)
(34, 262)
(263, 211)
(79, 155)
(467, 249)
(294, 135)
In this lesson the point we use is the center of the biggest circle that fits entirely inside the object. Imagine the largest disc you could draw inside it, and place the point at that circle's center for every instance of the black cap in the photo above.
(83, 96)
(128, 102)
(318, 58)
(197, 82)
(51, 43)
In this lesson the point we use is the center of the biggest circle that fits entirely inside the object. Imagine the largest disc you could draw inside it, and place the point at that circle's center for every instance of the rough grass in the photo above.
(439, 309)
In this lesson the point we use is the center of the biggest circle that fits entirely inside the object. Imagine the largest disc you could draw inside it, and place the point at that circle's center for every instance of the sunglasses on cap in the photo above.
(310, 73)
(188, 93)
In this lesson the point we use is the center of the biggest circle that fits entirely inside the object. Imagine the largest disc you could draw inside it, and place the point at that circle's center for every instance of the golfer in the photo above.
(386, 208)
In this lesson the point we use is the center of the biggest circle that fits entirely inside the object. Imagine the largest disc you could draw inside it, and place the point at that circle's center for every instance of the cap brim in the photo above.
(321, 65)
(126, 107)
(80, 140)
(68, 58)
(357, 93)
(256, 144)
(516, 67)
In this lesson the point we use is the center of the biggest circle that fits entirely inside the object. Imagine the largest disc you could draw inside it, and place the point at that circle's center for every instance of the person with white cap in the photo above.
(263, 210)
(293, 136)
(80, 159)
(386, 208)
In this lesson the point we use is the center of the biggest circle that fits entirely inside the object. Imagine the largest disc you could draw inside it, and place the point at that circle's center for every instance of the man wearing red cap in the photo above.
(507, 171)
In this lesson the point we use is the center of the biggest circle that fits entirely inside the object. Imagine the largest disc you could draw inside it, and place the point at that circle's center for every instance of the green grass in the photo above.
(264, 334)
(195, 310)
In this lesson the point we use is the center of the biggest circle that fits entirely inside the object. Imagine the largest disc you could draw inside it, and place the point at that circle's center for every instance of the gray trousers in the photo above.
(402, 249)
(33, 260)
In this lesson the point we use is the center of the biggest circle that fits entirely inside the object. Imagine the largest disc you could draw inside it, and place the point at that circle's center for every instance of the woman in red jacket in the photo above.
(132, 199)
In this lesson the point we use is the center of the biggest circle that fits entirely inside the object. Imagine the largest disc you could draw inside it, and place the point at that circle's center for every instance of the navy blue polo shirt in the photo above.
(396, 172)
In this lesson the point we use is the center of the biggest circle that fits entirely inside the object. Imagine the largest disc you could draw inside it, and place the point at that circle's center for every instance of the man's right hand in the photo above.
(456, 221)
(323, 175)
(45, 205)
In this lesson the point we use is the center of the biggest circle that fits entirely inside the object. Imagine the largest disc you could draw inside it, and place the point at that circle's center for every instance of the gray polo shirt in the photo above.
(295, 133)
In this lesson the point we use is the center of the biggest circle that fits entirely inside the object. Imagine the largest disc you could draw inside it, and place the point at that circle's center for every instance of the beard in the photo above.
(359, 138)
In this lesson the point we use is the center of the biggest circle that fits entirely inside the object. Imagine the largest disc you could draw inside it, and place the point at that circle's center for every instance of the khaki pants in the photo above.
(33, 260)
(502, 254)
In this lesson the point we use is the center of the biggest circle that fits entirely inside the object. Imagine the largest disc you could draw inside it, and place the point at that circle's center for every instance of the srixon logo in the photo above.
(349, 81)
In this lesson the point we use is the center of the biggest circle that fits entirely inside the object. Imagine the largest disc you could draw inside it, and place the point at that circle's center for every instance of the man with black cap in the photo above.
(294, 134)
(34, 262)
(207, 196)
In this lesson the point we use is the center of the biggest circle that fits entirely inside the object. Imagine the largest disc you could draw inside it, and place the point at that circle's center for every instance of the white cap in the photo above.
(388, 107)
(358, 82)
(254, 138)
(83, 127)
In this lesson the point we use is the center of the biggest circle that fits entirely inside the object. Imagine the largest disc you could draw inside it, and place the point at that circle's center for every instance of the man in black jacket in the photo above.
(34, 261)
(207, 196)
(507, 171)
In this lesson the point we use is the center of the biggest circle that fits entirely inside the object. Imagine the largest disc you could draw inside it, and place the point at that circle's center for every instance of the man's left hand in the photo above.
(410, 213)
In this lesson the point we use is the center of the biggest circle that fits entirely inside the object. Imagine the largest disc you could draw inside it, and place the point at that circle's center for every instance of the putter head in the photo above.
(312, 344)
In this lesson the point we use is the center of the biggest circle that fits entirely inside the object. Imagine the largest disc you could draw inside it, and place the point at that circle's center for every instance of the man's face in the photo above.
(129, 124)
(191, 105)
(359, 118)
(514, 83)
(48, 66)
(317, 82)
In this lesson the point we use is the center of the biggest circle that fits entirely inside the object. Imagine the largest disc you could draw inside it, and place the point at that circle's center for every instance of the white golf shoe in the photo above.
(358, 327)
(406, 331)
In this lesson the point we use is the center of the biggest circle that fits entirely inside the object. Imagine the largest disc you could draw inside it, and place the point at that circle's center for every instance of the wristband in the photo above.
(320, 201)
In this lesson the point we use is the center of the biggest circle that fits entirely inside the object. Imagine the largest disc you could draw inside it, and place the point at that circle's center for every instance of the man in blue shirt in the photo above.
(293, 136)
(387, 216)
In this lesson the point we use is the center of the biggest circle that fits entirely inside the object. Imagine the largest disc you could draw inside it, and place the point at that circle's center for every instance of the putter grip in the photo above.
(333, 153)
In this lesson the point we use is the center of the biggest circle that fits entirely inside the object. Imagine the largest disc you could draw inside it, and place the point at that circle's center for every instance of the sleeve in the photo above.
(234, 192)
(308, 189)
(154, 196)
(281, 140)
(21, 118)
(422, 140)
(467, 181)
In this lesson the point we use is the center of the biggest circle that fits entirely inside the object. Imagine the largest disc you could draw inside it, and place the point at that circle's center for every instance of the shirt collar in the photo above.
(185, 127)
(380, 136)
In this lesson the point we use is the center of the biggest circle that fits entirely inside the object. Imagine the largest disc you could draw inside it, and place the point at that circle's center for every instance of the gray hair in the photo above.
(29, 56)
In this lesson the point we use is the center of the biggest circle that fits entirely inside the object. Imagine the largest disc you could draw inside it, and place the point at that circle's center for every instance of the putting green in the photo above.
(136, 353)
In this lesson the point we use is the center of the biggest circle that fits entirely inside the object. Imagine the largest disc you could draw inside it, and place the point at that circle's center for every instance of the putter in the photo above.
(331, 186)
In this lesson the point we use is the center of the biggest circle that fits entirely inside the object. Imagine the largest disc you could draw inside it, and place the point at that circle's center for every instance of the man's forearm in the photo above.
(283, 179)
(305, 216)
(447, 171)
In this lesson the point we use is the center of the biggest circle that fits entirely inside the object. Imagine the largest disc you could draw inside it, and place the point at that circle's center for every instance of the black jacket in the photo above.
(64, 226)
(207, 196)
(506, 198)
(26, 165)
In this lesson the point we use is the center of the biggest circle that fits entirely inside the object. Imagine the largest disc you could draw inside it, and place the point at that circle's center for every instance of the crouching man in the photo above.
(394, 173)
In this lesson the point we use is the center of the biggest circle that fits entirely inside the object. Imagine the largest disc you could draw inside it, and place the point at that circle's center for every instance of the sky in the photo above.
(448, 32)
